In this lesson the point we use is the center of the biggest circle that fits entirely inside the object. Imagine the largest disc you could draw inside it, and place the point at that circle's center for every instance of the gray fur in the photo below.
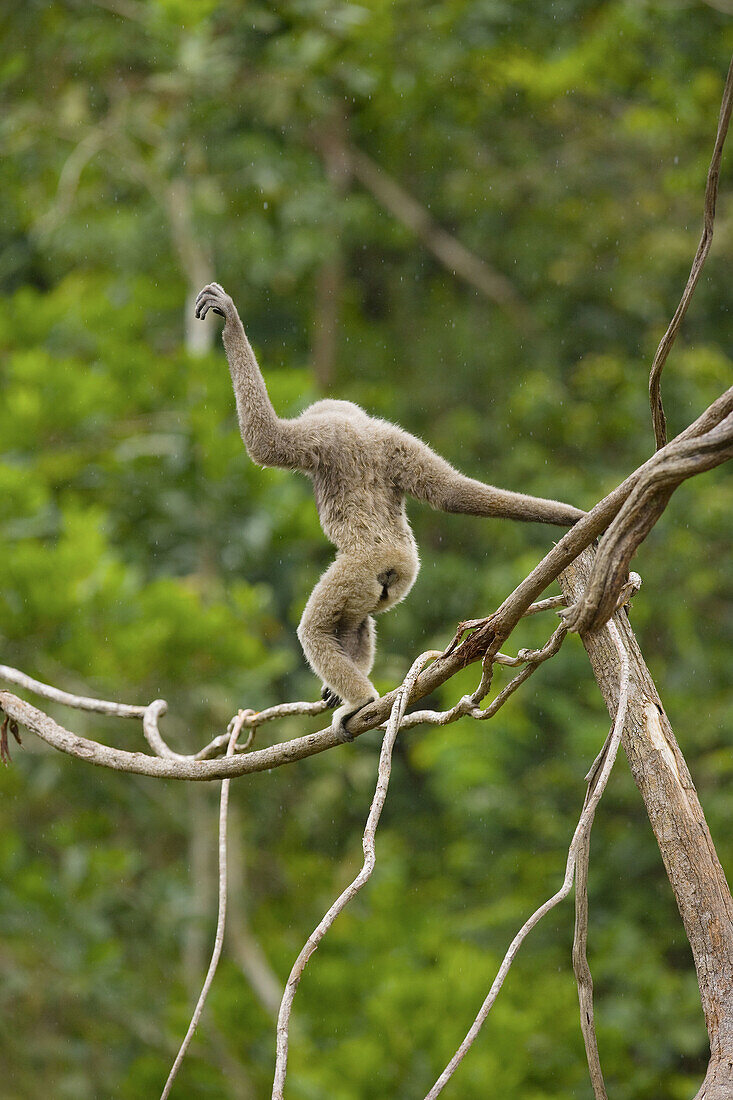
(362, 469)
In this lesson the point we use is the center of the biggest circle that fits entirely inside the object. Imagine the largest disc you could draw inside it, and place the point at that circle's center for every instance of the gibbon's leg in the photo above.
(360, 645)
(366, 644)
(337, 636)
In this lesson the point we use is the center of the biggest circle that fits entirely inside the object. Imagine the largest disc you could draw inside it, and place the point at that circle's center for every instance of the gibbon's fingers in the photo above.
(202, 303)
(330, 698)
(208, 304)
(201, 311)
(207, 294)
(211, 288)
(212, 297)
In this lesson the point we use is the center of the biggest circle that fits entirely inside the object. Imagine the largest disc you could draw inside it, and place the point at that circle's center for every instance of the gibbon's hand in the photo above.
(330, 698)
(214, 297)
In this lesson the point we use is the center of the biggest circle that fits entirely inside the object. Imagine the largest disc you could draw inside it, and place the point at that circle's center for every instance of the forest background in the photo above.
(279, 148)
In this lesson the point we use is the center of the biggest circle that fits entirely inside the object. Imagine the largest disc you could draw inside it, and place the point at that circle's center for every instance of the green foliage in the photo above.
(144, 555)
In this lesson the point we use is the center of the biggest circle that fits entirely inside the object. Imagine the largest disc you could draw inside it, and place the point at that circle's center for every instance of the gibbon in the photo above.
(361, 468)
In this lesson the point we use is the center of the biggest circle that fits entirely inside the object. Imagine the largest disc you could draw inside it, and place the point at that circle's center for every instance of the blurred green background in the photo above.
(151, 146)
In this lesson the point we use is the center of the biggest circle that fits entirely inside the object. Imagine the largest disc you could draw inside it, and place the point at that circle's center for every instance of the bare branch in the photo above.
(258, 718)
(79, 702)
(552, 603)
(220, 921)
(669, 467)
(676, 816)
(469, 704)
(711, 194)
(143, 764)
(498, 626)
(152, 734)
(581, 969)
(579, 837)
(150, 714)
(368, 844)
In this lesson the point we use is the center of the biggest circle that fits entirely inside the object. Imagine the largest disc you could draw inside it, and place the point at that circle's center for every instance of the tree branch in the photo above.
(711, 194)
(676, 816)
(79, 702)
(647, 501)
(368, 844)
(580, 836)
(581, 969)
(491, 634)
(220, 920)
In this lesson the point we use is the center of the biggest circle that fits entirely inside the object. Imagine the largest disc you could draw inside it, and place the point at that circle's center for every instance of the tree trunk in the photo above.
(661, 774)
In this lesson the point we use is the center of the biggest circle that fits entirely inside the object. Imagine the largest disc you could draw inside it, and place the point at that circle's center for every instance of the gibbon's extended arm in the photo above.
(421, 473)
(269, 440)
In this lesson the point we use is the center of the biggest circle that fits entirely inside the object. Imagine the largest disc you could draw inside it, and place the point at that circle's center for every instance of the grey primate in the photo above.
(362, 469)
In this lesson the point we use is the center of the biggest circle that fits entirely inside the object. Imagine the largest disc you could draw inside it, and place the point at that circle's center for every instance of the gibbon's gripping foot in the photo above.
(330, 698)
(343, 715)
(339, 725)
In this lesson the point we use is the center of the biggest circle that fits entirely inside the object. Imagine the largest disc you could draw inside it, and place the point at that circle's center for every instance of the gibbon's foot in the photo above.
(214, 297)
(330, 698)
(344, 713)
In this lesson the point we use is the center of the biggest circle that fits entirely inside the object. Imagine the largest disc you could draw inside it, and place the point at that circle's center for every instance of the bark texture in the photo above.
(663, 778)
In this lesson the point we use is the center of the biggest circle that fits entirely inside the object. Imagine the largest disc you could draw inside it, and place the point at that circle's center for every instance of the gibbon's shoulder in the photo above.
(331, 419)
